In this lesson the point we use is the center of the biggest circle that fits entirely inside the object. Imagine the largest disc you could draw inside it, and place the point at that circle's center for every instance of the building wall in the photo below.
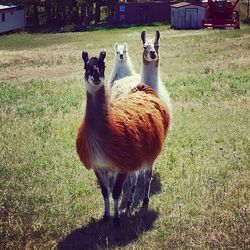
(13, 20)
(177, 18)
(133, 13)
(187, 17)
(201, 16)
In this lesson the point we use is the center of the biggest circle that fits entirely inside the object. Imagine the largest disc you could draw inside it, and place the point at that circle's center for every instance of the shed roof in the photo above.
(184, 4)
(7, 6)
(11, 7)
(181, 4)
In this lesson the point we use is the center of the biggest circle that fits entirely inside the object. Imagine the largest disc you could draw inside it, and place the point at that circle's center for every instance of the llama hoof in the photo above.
(129, 204)
(105, 218)
(129, 208)
(116, 221)
(145, 202)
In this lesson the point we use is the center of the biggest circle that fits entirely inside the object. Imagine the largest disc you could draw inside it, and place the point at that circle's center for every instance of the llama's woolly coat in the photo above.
(122, 87)
(127, 133)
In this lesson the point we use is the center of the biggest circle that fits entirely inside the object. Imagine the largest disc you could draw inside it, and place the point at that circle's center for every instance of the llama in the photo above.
(150, 68)
(116, 139)
(149, 73)
(122, 64)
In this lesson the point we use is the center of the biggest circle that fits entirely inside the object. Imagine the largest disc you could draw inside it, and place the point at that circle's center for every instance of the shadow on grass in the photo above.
(99, 234)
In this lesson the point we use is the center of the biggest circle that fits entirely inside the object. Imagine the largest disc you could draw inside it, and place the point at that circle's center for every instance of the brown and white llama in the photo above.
(122, 137)
(150, 73)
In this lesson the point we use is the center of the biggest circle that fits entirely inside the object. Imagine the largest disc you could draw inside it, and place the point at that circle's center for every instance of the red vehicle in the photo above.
(221, 14)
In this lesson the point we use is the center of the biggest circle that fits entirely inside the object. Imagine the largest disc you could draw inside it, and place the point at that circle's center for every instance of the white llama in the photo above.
(122, 64)
(150, 72)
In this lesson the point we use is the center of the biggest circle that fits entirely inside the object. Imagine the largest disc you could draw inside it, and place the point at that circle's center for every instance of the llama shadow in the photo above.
(99, 234)
(155, 188)
(104, 235)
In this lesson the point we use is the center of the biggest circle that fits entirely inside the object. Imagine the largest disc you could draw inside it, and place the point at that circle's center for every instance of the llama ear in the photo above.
(85, 56)
(102, 55)
(125, 46)
(143, 36)
(157, 36)
(116, 46)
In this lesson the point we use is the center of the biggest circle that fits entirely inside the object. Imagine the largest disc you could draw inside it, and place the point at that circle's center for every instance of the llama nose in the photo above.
(152, 54)
(96, 78)
(121, 56)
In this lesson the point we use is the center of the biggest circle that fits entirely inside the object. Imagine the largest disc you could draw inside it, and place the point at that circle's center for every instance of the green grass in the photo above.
(200, 194)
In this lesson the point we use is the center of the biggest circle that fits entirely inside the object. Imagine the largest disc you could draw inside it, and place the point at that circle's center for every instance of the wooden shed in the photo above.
(12, 17)
(185, 15)
(139, 13)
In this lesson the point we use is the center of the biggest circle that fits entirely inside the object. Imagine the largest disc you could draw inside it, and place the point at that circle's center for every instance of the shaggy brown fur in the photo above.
(129, 132)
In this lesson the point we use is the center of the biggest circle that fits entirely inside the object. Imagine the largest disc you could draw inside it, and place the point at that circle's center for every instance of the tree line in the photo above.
(63, 12)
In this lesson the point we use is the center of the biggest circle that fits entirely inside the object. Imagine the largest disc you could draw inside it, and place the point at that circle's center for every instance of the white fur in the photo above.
(123, 86)
(100, 161)
(122, 67)
(91, 87)
(150, 72)
(150, 75)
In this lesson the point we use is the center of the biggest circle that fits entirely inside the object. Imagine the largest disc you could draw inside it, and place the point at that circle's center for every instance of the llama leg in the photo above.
(117, 189)
(133, 183)
(147, 182)
(103, 178)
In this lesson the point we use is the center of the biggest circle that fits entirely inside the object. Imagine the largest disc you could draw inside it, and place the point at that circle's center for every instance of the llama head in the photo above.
(150, 53)
(94, 71)
(121, 54)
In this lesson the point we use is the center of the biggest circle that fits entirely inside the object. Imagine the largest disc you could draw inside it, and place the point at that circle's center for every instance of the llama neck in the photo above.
(96, 109)
(150, 74)
(130, 67)
(124, 69)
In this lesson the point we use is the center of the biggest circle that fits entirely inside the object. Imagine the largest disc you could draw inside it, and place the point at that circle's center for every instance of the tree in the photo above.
(111, 6)
(35, 14)
(48, 11)
(97, 11)
(62, 12)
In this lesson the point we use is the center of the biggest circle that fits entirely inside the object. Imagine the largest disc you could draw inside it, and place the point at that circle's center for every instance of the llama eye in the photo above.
(117, 52)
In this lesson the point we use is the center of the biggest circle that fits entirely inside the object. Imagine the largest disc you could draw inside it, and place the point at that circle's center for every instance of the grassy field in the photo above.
(200, 194)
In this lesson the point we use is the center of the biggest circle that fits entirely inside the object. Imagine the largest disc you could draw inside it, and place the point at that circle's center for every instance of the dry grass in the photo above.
(200, 195)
